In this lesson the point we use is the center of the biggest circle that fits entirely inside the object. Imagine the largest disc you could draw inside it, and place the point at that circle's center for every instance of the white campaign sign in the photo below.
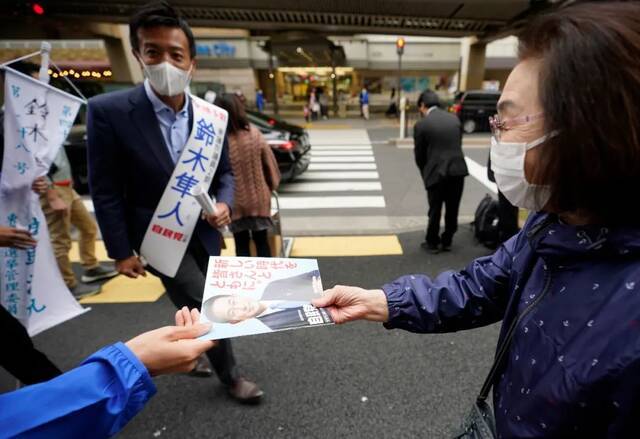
(37, 120)
(175, 218)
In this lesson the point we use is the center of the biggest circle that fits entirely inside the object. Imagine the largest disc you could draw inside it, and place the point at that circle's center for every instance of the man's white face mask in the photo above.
(167, 79)
(507, 163)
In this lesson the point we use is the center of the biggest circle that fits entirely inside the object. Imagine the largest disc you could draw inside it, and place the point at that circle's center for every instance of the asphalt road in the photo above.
(355, 380)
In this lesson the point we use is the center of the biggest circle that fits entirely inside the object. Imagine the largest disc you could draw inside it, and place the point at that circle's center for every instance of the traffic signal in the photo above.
(37, 8)
(400, 45)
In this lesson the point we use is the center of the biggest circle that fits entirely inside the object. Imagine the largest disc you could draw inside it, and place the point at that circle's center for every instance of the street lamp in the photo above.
(400, 43)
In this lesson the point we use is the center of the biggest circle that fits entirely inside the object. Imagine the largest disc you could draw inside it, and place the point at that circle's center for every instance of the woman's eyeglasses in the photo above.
(499, 125)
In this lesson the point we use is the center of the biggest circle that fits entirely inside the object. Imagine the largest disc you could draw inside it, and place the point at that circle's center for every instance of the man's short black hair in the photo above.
(429, 98)
(159, 14)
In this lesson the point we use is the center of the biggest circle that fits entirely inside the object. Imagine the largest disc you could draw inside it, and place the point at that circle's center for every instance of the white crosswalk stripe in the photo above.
(342, 153)
(342, 148)
(337, 202)
(342, 175)
(342, 166)
(339, 137)
(342, 159)
(339, 175)
(333, 186)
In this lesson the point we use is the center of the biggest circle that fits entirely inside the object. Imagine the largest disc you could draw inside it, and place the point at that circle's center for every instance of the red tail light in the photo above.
(286, 146)
(272, 122)
(455, 108)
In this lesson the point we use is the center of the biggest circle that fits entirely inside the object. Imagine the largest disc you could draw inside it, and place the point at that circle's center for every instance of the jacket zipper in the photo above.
(532, 305)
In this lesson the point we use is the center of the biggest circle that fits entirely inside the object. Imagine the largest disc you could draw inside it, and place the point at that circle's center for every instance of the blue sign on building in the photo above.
(218, 49)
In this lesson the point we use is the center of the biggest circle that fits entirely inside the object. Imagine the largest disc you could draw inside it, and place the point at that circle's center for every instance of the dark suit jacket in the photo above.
(296, 288)
(285, 319)
(129, 168)
(438, 147)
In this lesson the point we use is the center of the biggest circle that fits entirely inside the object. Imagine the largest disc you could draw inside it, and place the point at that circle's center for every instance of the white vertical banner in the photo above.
(37, 120)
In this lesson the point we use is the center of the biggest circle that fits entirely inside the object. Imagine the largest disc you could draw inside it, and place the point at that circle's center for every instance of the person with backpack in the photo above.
(507, 212)
(440, 160)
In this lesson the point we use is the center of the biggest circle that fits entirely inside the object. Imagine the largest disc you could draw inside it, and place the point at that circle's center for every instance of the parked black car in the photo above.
(289, 143)
(474, 107)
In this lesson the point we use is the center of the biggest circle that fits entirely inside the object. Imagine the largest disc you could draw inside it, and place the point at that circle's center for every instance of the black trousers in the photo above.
(18, 355)
(243, 239)
(447, 193)
(507, 218)
(186, 289)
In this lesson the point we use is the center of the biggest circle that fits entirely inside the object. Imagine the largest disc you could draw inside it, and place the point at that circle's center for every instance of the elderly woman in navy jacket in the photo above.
(566, 145)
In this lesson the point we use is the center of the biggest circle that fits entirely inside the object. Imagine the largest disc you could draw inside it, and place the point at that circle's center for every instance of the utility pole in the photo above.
(274, 83)
(400, 43)
(334, 80)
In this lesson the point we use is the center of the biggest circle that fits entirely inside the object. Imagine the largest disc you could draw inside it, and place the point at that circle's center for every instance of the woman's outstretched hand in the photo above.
(346, 304)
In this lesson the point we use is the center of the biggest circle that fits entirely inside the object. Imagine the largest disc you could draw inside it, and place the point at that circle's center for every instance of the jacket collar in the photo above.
(146, 122)
(564, 241)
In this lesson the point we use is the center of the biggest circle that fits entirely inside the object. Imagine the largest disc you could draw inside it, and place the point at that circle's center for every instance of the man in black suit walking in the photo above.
(438, 154)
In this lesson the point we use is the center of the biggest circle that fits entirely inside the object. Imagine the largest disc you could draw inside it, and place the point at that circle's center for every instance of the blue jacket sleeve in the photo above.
(106, 182)
(94, 400)
(222, 185)
(476, 296)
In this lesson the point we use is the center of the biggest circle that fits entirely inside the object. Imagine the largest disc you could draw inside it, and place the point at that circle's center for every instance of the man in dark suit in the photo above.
(135, 138)
(439, 157)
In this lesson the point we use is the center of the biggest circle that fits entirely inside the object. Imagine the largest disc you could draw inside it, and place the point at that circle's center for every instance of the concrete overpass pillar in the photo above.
(472, 67)
(124, 65)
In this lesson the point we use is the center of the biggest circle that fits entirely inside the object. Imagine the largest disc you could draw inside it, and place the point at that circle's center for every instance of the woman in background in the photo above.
(255, 174)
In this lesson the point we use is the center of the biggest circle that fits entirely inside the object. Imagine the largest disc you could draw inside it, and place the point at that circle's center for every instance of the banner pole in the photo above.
(45, 52)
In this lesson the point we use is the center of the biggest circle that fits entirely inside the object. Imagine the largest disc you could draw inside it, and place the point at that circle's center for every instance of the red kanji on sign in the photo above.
(220, 274)
(221, 263)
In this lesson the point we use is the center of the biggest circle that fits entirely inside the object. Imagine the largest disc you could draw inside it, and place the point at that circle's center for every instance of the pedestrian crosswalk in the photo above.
(343, 175)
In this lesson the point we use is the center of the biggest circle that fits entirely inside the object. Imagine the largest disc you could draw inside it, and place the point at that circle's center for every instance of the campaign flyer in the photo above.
(245, 296)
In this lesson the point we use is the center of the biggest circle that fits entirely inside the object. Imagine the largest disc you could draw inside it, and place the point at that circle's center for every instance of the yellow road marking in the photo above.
(122, 289)
(231, 247)
(318, 246)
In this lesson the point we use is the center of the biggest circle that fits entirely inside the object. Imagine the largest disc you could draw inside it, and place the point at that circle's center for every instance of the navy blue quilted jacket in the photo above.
(573, 369)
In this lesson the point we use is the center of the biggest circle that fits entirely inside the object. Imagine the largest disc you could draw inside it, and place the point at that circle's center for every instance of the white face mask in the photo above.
(167, 79)
(507, 163)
